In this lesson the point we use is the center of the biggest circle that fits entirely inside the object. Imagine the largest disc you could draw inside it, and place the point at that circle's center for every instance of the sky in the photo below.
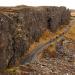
(68, 3)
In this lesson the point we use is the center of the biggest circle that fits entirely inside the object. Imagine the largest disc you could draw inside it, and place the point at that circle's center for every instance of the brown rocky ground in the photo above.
(62, 64)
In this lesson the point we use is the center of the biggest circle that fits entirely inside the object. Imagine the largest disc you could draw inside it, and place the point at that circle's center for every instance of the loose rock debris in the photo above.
(65, 65)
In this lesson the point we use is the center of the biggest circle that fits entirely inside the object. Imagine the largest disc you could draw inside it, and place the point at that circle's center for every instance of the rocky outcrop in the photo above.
(22, 25)
(6, 48)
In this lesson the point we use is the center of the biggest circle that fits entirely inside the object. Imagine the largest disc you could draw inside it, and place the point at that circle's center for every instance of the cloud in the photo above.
(67, 3)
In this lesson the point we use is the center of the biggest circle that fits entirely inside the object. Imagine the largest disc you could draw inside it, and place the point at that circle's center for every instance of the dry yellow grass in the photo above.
(71, 33)
(46, 36)
(72, 13)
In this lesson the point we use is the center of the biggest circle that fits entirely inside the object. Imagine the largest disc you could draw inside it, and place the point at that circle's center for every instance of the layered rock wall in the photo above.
(21, 26)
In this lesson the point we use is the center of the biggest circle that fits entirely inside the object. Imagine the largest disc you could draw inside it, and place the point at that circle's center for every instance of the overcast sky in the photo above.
(67, 3)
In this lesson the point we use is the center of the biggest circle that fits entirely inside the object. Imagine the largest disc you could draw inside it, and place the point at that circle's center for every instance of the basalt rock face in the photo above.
(21, 26)
(6, 49)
